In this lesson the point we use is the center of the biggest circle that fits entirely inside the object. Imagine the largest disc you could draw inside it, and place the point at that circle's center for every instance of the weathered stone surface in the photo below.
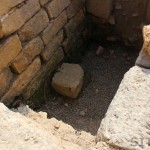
(9, 50)
(28, 53)
(43, 2)
(55, 7)
(5, 78)
(52, 29)
(68, 80)
(34, 26)
(20, 132)
(143, 59)
(50, 49)
(74, 7)
(146, 37)
(100, 8)
(73, 23)
(22, 81)
(6, 5)
(126, 122)
(44, 72)
(19, 17)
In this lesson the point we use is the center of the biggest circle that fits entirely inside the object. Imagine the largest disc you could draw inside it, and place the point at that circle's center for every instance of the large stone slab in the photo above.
(68, 80)
(19, 132)
(126, 123)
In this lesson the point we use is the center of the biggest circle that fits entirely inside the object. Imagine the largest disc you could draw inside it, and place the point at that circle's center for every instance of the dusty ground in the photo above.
(77, 120)
(103, 75)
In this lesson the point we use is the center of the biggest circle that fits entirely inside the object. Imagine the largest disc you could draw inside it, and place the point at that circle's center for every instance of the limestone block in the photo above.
(68, 80)
(53, 28)
(21, 132)
(44, 72)
(126, 123)
(6, 5)
(55, 7)
(32, 49)
(34, 26)
(9, 49)
(50, 49)
(18, 17)
(22, 81)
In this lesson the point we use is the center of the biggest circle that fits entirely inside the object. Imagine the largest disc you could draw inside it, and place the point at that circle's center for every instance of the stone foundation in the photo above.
(35, 35)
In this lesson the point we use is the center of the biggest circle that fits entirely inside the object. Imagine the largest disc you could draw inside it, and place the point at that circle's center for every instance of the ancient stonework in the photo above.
(32, 33)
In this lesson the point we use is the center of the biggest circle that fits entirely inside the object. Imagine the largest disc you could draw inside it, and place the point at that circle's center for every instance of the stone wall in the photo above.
(125, 17)
(35, 35)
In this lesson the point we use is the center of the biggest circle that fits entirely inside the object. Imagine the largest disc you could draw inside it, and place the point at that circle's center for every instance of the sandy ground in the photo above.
(103, 75)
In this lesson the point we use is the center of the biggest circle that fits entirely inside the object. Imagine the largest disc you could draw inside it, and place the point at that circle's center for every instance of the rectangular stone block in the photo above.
(52, 29)
(9, 49)
(5, 78)
(22, 81)
(18, 17)
(55, 7)
(74, 7)
(45, 71)
(50, 49)
(34, 26)
(100, 8)
(6, 5)
(74, 23)
(28, 53)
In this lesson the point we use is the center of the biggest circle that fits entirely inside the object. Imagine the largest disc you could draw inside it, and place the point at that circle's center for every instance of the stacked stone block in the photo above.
(35, 36)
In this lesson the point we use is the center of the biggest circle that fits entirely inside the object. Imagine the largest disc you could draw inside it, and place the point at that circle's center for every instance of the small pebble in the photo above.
(66, 105)
(82, 113)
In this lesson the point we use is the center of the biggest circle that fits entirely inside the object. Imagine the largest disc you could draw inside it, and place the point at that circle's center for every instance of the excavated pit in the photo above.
(103, 75)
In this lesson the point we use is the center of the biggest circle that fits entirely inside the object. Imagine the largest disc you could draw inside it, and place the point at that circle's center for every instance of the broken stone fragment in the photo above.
(68, 81)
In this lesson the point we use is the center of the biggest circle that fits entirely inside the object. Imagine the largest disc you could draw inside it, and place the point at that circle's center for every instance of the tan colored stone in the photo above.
(73, 23)
(55, 7)
(50, 49)
(6, 5)
(43, 2)
(68, 80)
(5, 78)
(28, 53)
(146, 37)
(44, 72)
(34, 26)
(74, 7)
(100, 8)
(53, 28)
(9, 50)
(22, 81)
(18, 17)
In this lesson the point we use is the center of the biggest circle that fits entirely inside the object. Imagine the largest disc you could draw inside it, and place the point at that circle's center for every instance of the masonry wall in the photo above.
(125, 17)
(35, 35)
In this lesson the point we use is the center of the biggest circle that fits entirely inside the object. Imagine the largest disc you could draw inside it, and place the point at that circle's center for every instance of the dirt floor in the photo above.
(103, 75)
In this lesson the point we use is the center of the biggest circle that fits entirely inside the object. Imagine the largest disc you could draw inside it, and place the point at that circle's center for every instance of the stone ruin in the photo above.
(36, 35)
